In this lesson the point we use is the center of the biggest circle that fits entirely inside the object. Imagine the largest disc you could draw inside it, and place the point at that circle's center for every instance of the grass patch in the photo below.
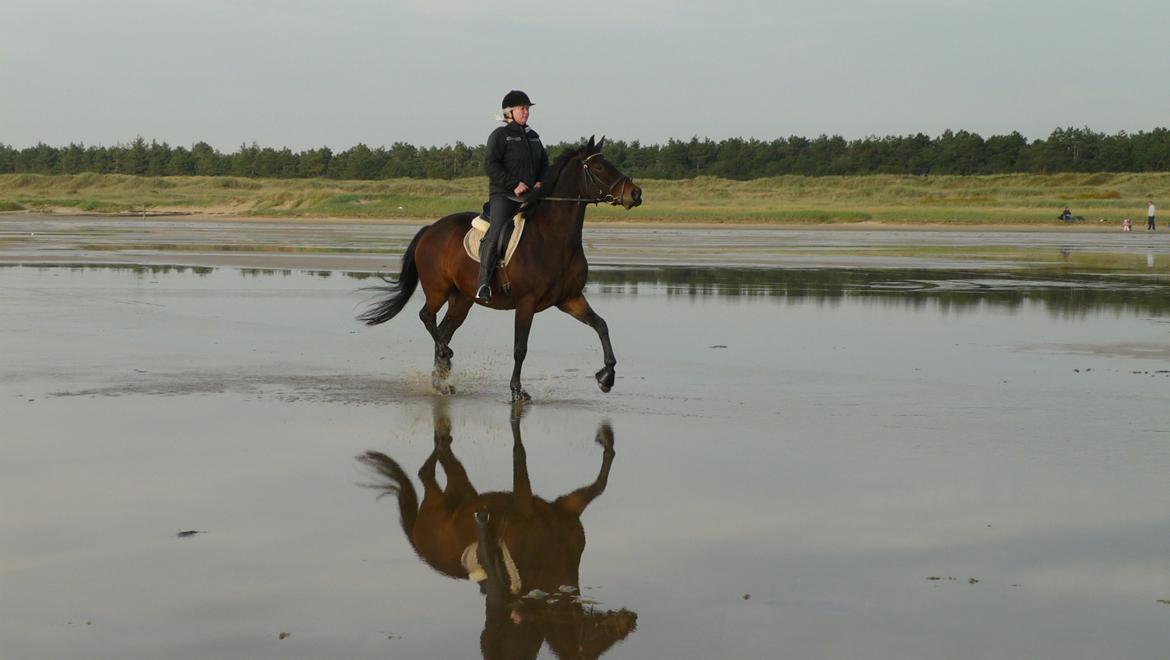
(236, 247)
(1028, 199)
(102, 206)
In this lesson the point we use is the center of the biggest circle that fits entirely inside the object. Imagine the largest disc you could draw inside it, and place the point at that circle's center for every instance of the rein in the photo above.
(594, 181)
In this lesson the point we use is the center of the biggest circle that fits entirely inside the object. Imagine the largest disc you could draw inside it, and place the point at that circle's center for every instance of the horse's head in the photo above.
(603, 181)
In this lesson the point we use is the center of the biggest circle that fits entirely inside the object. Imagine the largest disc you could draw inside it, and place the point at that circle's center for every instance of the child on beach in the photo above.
(1127, 225)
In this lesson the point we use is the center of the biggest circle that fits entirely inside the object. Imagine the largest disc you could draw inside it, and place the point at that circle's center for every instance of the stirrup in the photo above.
(484, 292)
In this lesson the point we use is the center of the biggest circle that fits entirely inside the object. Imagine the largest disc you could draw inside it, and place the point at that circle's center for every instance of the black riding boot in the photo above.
(488, 255)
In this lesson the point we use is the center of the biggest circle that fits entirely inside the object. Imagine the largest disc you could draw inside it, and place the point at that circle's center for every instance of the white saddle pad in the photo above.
(475, 235)
(470, 561)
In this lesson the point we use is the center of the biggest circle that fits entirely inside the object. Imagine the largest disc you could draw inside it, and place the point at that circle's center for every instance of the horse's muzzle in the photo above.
(633, 198)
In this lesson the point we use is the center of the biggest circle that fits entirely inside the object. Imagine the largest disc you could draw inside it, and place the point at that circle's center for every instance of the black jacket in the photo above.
(514, 154)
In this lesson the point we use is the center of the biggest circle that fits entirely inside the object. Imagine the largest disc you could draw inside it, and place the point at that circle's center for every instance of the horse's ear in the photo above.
(591, 146)
(600, 142)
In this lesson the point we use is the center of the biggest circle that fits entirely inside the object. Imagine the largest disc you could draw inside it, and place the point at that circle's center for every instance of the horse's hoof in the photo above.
(520, 395)
(444, 388)
(605, 379)
(605, 436)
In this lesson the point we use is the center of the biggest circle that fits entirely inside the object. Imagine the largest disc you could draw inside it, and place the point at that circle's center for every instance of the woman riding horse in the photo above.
(548, 268)
(515, 161)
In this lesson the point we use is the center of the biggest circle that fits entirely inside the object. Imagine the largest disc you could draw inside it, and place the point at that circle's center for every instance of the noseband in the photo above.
(601, 191)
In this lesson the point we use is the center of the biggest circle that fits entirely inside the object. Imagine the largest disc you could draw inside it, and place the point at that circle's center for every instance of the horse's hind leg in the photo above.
(458, 488)
(430, 311)
(426, 474)
(579, 308)
(457, 308)
(458, 305)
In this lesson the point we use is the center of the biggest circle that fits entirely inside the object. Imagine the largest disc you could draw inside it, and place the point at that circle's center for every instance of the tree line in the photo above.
(961, 152)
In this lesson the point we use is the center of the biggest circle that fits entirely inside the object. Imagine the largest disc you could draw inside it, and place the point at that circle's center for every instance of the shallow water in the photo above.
(799, 455)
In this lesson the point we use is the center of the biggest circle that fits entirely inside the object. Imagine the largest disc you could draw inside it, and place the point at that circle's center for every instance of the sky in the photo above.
(309, 73)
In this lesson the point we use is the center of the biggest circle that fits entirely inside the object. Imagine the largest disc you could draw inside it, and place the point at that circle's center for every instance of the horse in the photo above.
(548, 268)
(523, 550)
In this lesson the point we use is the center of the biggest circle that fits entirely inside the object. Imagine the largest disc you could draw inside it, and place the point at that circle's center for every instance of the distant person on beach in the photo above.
(1150, 216)
(1127, 225)
(1065, 215)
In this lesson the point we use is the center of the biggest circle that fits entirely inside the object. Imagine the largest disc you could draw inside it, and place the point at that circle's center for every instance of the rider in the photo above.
(515, 161)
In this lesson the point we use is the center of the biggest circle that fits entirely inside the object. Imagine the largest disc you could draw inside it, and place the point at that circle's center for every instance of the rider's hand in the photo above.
(537, 186)
(521, 188)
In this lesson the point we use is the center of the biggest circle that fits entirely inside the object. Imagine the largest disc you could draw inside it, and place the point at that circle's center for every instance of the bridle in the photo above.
(601, 191)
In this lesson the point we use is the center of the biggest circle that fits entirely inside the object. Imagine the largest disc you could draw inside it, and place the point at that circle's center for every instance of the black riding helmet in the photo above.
(515, 98)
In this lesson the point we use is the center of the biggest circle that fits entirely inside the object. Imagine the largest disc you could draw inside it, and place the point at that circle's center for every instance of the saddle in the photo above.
(510, 237)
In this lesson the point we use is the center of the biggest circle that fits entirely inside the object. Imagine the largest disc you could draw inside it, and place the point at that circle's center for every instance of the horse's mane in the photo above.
(535, 201)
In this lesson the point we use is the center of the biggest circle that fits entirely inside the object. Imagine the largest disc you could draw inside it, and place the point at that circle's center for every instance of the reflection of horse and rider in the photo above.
(547, 268)
(524, 551)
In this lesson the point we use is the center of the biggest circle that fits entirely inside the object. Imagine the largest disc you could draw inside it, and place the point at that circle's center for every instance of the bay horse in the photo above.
(548, 268)
(519, 542)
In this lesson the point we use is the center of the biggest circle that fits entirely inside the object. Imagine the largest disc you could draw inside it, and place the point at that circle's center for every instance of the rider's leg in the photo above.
(502, 209)
(487, 257)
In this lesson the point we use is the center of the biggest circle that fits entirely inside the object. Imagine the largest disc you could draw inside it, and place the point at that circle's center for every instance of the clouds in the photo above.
(540, 12)
(303, 73)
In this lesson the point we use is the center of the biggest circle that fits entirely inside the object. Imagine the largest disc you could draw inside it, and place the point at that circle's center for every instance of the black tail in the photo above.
(394, 482)
(400, 291)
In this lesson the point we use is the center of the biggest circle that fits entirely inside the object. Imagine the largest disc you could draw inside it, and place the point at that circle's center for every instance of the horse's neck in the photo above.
(563, 221)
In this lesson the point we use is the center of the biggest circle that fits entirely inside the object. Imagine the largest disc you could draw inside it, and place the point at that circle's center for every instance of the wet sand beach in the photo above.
(329, 244)
(863, 443)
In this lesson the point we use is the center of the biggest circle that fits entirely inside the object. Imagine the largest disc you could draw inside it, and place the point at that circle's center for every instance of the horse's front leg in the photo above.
(579, 308)
(525, 310)
(457, 307)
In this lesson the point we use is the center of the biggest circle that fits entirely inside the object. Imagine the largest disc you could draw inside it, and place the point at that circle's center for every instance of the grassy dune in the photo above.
(1000, 199)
